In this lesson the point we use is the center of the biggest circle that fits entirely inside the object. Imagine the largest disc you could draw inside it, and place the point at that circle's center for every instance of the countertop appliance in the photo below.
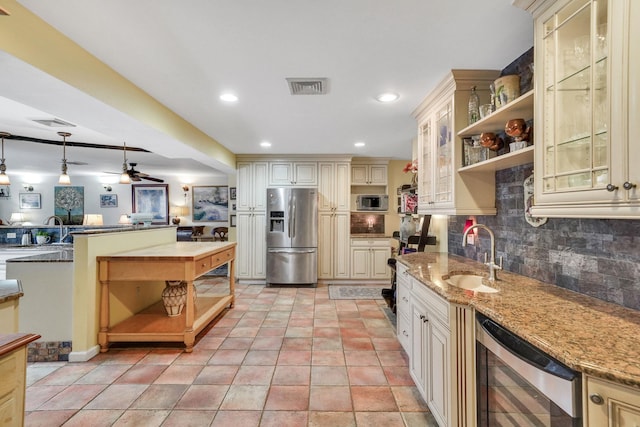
(292, 236)
(520, 385)
(372, 202)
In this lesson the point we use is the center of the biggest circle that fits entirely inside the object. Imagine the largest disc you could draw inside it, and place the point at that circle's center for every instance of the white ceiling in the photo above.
(185, 54)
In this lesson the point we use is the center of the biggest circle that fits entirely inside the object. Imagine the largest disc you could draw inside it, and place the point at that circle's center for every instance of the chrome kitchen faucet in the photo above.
(492, 262)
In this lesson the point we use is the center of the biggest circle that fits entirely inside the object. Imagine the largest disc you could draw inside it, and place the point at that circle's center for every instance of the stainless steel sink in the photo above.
(470, 282)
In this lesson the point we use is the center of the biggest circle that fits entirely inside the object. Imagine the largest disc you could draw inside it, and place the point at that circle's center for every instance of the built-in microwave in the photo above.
(372, 202)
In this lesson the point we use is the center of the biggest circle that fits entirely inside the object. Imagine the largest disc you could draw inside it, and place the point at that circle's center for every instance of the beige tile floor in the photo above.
(282, 357)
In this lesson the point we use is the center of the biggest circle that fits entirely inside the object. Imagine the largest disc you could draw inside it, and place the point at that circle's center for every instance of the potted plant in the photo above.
(42, 237)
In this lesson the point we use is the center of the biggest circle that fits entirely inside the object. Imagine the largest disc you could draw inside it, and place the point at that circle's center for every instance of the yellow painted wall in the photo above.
(9, 316)
(86, 287)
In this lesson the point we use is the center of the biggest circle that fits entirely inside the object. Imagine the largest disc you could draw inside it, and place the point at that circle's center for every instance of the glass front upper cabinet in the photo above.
(575, 140)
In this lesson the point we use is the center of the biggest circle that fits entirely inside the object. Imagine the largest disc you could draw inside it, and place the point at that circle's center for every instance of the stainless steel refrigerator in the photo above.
(292, 236)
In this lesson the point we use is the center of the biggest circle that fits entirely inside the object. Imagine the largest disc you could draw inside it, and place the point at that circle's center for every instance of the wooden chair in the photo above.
(220, 234)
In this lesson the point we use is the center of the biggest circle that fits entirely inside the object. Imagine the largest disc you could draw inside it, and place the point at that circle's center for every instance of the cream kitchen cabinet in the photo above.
(369, 258)
(251, 217)
(251, 191)
(441, 349)
(285, 174)
(368, 174)
(403, 307)
(586, 113)
(441, 190)
(333, 220)
(252, 250)
(333, 245)
(610, 404)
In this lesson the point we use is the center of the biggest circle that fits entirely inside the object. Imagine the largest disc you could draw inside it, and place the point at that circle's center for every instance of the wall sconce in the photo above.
(471, 237)
(27, 187)
(185, 188)
(107, 187)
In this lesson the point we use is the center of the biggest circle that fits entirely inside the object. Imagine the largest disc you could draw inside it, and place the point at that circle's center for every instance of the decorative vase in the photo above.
(407, 228)
(174, 297)
(414, 180)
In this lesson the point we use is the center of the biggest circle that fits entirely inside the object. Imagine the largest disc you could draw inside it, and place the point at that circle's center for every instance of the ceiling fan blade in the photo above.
(70, 162)
(150, 178)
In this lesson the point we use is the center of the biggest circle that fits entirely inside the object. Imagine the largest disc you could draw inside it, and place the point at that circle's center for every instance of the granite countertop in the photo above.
(369, 235)
(56, 255)
(117, 229)
(10, 290)
(587, 334)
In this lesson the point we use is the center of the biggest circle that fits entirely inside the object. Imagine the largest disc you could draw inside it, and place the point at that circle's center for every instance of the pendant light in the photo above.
(124, 177)
(64, 178)
(4, 178)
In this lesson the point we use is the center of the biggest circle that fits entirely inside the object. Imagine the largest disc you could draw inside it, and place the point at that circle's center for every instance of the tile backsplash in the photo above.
(596, 257)
(367, 223)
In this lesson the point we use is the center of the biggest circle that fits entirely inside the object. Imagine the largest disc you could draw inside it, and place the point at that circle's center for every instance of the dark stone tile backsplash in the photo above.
(596, 257)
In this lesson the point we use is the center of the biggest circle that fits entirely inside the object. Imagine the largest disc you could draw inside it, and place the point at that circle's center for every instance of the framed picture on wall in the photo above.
(210, 203)
(232, 193)
(152, 199)
(232, 221)
(69, 203)
(108, 200)
(30, 201)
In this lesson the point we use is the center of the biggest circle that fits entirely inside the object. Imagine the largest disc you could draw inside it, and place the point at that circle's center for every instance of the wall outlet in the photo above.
(11, 235)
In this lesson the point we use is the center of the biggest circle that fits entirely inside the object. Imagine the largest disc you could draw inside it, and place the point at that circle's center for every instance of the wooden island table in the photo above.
(179, 261)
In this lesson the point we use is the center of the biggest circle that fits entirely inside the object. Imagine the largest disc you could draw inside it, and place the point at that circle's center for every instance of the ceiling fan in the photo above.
(129, 174)
(136, 175)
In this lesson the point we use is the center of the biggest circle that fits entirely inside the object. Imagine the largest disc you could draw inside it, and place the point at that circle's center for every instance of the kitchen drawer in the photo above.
(221, 257)
(437, 305)
(403, 293)
(371, 242)
(403, 328)
(203, 265)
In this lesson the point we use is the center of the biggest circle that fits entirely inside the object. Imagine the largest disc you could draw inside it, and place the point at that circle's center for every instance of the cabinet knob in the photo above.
(404, 332)
(422, 317)
(611, 188)
(596, 398)
(628, 186)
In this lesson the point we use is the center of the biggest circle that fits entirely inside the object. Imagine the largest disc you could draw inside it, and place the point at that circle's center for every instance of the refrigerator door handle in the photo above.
(290, 251)
(292, 218)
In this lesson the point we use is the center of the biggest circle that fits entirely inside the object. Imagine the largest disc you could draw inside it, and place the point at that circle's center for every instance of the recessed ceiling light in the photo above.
(359, 144)
(265, 144)
(387, 97)
(228, 97)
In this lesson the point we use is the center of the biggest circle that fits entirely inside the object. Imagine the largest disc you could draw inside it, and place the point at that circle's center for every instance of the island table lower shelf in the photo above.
(180, 261)
(153, 324)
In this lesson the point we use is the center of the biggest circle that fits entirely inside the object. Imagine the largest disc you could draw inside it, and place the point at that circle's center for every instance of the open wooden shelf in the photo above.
(505, 161)
(519, 108)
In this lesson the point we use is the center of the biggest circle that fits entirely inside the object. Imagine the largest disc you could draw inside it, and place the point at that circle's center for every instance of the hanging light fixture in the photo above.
(4, 178)
(64, 178)
(124, 177)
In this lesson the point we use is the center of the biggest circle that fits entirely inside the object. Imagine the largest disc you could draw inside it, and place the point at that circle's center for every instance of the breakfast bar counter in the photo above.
(173, 263)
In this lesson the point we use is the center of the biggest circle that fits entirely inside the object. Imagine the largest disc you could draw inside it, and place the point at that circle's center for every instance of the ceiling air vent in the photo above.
(308, 86)
(54, 122)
